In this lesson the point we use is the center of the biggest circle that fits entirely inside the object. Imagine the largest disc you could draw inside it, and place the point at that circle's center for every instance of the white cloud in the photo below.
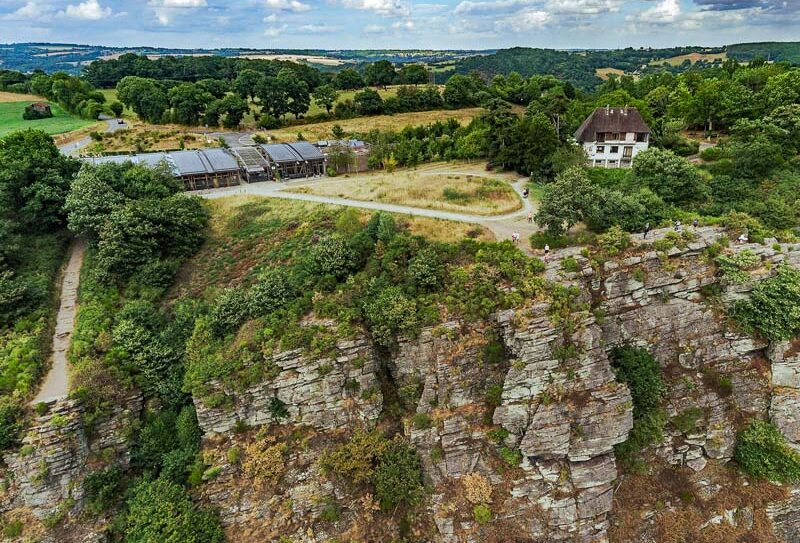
(275, 31)
(91, 10)
(407, 25)
(583, 7)
(317, 29)
(33, 9)
(166, 9)
(664, 12)
(374, 29)
(271, 18)
(287, 5)
(381, 7)
(525, 20)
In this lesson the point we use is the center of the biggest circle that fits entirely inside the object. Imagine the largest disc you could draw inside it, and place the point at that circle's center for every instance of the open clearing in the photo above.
(321, 131)
(459, 187)
(311, 59)
(146, 137)
(11, 119)
(603, 73)
(691, 57)
(14, 97)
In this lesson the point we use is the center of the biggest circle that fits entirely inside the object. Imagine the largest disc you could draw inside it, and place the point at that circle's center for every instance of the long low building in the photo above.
(216, 167)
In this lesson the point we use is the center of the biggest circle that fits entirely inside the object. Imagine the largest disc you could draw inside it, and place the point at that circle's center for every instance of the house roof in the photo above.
(280, 152)
(306, 150)
(611, 119)
(190, 162)
(251, 159)
(220, 160)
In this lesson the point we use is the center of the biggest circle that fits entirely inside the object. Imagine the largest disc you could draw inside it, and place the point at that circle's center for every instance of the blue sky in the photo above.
(377, 24)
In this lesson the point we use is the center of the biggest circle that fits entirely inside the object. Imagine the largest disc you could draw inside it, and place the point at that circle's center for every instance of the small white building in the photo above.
(612, 136)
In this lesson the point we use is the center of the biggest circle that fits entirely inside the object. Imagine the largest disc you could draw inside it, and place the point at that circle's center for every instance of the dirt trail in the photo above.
(56, 384)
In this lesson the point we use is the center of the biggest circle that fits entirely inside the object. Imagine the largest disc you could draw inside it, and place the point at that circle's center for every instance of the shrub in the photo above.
(686, 421)
(354, 461)
(762, 451)
(421, 421)
(10, 423)
(773, 309)
(13, 529)
(482, 514)
(425, 270)
(614, 240)
(264, 463)
(102, 489)
(641, 372)
(477, 488)
(570, 265)
(494, 395)
(512, 457)
(231, 309)
(398, 476)
(494, 352)
(390, 313)
(278, 409)
(160, 510)
(331, 512)
(734, 267)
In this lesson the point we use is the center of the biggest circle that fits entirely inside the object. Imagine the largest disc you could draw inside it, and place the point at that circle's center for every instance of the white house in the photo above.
(612, 136)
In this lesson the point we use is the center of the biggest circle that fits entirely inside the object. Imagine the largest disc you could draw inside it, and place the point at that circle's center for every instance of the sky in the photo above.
(381, 24)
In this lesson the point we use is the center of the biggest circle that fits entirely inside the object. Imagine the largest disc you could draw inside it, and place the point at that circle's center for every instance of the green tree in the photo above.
(461, 91)
(566, 201)
(379, 74)
(369, 102)
(671, 177)
(144, 96)
(247, 83)
(325, 96)
(348, 79)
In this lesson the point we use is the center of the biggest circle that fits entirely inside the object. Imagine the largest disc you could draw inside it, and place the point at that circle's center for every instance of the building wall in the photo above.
(602, 154)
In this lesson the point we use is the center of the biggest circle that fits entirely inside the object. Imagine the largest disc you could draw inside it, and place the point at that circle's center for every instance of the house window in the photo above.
(615, 136)
(601, 148)
(598, 162)
(627, 152)
(641, 137)
(601, 136)
(614, 149)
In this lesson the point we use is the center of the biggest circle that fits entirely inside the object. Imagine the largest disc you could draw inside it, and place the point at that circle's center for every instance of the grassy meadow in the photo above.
(460, 188)
(13, 106)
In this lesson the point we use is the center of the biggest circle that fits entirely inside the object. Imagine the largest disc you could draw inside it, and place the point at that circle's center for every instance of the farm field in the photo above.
(457, 187)
(691, 57)
(604, 73)
(11, 118)
(318, 131)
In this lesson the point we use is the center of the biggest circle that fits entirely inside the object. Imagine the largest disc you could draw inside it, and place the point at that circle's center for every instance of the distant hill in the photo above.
(772, 50)
(71, 58)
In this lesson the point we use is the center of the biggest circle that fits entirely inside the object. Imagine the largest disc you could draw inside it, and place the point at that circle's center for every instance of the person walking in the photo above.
(646, 230)
(678, 225)
(695, 223)
(546, 251)
(530, 217)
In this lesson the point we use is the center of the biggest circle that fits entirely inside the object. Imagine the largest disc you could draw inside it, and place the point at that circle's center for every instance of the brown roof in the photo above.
(611, 119)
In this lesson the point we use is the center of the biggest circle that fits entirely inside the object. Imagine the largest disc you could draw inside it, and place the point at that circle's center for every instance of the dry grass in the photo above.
(603, 73)
(14, 97)
(320, 131)
(462, 188)
(692, 57)
(147, 137)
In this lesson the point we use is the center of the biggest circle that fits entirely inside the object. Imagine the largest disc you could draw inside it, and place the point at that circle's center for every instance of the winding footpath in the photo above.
(56, 384)
(112, 125)
(502, 226)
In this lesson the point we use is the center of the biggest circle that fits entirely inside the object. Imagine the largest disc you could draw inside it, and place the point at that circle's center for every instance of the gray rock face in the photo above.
(325, 393)
(57, 454)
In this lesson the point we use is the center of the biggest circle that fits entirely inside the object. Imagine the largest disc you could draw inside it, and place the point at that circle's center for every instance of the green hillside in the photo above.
(11, 120)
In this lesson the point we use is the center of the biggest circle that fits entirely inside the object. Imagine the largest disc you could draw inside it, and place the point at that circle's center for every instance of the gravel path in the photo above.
(501, 225)
(56, 384)
(113, 125)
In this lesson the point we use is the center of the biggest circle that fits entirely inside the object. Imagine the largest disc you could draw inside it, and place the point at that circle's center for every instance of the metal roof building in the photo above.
(255, 165)
(200, 169)
(294, 160)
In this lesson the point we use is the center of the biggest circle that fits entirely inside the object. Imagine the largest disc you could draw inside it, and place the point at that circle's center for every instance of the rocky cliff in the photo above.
(515, 419)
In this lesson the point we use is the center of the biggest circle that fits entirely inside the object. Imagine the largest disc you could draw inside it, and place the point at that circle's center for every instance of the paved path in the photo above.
(113, 125)
(501, 225)
(56, 384)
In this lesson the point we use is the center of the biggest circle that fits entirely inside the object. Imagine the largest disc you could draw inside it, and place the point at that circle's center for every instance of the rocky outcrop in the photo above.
(323, 392)
(58, 452)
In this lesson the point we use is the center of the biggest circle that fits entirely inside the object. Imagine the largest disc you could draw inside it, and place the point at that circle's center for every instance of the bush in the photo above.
(773, 309)
(398, 476)
(710, 154)
(160, 510)
(103, 489)
(482, 514)
(614, 240)
(762, 452)
(425, 270)
(570, 265)
(231, 309)
(355, 460)
(264, 463)
(10, 423)
(734, 268)
(390, 312)
(686, 421)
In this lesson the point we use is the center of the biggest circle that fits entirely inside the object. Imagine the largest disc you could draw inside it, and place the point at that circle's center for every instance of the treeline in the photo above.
(773, 50)
(72, 93)
(579, 68)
